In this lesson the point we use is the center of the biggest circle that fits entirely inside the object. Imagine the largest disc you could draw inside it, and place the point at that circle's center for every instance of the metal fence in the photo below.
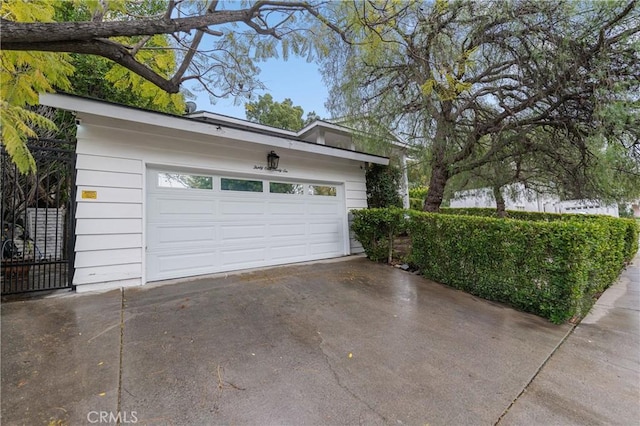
(37, 219)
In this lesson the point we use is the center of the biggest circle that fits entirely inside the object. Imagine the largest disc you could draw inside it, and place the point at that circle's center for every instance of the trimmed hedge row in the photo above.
(632, 228)
(552, 268)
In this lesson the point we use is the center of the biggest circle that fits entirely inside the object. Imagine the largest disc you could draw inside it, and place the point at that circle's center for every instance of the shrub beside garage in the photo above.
(552, 266)
(417, 197)
(376, 228)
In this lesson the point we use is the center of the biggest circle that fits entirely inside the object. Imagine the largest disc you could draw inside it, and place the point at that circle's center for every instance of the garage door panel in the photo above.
(287, 230)
(247, 255)
(185, 234)
(186, 207)
(322, 209)
(321, 239)
(182, 261)
(324, 248)
(286, 208)
(324, 228)
(241, 232)
(242, 208)
(288, 252)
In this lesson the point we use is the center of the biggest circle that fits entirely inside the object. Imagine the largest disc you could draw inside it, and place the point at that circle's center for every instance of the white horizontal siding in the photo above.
(356, 190)
(108, 179)
(105, 274)
(356, 247)
(357, 204)
(120, 256)
(109, 227)
(108, 164)
(357, 185)
(356, 199)
(108, 210)
(110, 195)
(107, 242)
(356, 195)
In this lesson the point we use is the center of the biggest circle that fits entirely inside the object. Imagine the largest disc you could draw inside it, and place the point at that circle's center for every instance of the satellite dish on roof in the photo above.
(191, 107)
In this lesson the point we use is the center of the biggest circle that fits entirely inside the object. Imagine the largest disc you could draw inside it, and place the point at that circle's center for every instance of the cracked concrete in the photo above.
(273, 347)
(337, 378)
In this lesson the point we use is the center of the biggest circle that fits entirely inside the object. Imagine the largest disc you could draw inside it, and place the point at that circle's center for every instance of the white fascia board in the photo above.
(134, 115)
(245, 123)
(326, 125)
(239, 122)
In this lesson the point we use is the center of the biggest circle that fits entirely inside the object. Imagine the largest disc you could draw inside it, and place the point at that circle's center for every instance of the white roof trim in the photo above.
(249, 124)
(239, 122)
(325, 124)
(119, 112)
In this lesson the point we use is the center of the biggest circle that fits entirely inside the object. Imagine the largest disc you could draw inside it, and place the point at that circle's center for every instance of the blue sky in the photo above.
(296, 79)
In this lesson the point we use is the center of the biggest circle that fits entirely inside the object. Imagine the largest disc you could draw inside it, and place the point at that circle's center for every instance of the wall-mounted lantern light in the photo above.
(272, 161)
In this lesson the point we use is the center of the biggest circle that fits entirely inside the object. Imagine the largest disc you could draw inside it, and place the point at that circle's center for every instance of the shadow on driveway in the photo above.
(329, 343)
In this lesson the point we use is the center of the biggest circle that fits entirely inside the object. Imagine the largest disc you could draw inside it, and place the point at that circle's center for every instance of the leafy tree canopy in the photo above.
(25, 74)
(283, 115)
(546, 85)
(98, 77)
(154, 42)
(22, 77)
(311, 117)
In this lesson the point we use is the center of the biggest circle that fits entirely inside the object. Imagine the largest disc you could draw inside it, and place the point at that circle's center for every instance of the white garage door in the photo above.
(200, 223)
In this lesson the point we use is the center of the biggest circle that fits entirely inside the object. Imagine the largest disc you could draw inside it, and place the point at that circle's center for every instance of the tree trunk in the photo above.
(439, 178)
(500, 206)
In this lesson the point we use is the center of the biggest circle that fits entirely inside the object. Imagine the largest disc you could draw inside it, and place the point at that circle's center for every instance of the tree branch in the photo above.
(21, 35)
(176, 79)
(110, 50)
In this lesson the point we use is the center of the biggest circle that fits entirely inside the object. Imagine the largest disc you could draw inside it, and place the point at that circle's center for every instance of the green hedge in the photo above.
(552, 266)
(375, 229)
(631, 238)
(418, 192)
(417, 196)
(517, 214)
(631, 225)
(416, 203)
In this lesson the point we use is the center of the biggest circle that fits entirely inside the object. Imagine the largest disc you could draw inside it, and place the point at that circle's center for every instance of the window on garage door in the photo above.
(245, 185)
(184, 181)
(327, 191)
(286, 188)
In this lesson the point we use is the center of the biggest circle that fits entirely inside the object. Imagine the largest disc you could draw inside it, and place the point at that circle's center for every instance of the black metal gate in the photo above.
(37, 219)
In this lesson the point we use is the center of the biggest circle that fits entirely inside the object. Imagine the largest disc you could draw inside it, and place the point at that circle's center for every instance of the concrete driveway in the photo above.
(346, 342)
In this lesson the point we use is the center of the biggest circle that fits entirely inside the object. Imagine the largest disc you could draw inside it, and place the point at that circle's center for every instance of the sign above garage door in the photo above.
(200, 223)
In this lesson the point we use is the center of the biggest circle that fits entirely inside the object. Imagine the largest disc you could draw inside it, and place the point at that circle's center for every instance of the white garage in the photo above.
(161, 197)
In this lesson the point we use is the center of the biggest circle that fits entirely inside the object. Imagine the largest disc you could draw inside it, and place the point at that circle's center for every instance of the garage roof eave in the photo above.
(98, 108)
